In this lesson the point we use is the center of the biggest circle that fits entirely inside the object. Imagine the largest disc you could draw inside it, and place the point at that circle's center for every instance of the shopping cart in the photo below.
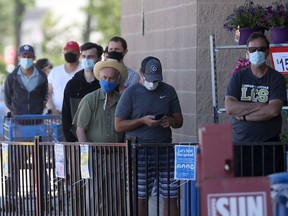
(26, 127)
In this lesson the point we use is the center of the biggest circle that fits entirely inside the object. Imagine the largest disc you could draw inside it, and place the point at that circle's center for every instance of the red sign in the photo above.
(10, 55)
(279, 57)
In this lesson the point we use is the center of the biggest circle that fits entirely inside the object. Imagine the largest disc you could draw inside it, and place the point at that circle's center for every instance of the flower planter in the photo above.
(242, 35)
(279, 35)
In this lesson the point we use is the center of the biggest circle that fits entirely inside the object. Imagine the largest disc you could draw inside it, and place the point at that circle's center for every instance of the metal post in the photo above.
(129, 166)
(37, 173)
(214, 79)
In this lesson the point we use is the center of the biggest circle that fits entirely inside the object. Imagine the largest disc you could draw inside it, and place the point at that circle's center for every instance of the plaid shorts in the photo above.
(156, 172)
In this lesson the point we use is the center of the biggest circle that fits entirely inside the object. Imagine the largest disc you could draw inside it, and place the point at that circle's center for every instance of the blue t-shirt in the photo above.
(31, 82)
(137, 102)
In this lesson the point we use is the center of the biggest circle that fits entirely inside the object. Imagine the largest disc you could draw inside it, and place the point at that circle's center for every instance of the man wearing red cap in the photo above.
(60, 75)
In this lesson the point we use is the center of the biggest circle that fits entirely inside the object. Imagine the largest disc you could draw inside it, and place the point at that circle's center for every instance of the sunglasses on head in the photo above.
(254, 49)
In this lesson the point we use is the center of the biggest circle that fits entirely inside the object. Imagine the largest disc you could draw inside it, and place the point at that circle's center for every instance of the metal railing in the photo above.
(260, 158)
(30, 185)
(155, 161)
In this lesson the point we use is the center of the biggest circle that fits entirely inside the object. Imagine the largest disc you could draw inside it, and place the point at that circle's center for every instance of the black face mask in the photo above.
(115, 55)
(70, 57)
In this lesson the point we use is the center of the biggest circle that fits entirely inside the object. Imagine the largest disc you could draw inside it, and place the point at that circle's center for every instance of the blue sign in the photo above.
(185, 162)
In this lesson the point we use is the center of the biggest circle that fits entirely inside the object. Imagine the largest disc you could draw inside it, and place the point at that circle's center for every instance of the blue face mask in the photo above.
(257, 58)
(26, 63)
(87, 64)
(108, 87)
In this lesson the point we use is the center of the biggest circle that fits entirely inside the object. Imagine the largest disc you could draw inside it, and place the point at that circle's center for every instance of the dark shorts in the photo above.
(259, 160)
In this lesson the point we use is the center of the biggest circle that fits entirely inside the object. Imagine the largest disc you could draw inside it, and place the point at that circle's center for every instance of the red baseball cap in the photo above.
(72, 45)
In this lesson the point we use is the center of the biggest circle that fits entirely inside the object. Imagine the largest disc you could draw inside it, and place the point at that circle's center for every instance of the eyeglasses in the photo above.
(254, 49)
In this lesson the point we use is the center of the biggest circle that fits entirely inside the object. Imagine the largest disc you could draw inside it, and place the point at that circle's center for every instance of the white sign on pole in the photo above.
(84, 155)
(59, 160)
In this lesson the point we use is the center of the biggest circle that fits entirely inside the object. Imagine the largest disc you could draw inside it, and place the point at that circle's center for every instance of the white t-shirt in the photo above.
(58, 78)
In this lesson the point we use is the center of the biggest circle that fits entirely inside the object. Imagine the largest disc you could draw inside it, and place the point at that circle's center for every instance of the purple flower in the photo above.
(248, 15)
(277, 14)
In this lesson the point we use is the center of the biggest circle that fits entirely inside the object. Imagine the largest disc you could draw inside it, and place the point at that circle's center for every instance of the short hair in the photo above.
(106, 49)
(119, 39)
(257, 35)
(42, 63)
(89, 45)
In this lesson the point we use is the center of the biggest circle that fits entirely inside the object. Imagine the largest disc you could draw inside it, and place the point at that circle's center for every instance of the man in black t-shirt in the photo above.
(254, 98)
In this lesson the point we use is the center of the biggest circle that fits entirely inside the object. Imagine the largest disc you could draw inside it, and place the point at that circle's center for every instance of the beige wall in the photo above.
(177, 32)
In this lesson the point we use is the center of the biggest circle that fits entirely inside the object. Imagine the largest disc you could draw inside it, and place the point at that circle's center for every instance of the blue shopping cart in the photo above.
(26, 127)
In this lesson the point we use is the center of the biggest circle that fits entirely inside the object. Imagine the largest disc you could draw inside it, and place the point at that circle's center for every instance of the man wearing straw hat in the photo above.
(95, 114)
(94, 120)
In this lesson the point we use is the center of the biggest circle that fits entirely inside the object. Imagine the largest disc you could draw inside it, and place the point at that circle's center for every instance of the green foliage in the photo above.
(52, 51)
(107, 17)
(6, 20)
(3, 71)
(103, 16)
(278, 14)
(11, 17)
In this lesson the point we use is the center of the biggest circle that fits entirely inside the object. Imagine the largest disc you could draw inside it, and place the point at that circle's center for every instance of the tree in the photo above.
(11, 18)
(20, 7)
(52, 51)
(103, 16)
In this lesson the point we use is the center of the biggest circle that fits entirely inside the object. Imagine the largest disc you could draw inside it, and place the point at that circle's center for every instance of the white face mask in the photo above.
(26, 63)
(150, 85)
(257, 58)
(87, 64)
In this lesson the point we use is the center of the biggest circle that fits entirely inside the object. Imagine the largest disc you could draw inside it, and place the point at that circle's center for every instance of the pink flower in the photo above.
(242, 63)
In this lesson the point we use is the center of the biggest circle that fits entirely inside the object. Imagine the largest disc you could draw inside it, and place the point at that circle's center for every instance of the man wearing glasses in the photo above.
(254, 98)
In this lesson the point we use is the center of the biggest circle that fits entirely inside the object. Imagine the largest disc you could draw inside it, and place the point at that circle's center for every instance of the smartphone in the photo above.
(159, 116)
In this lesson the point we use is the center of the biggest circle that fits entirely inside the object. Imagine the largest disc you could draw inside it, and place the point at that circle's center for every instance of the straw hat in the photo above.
(112, 63)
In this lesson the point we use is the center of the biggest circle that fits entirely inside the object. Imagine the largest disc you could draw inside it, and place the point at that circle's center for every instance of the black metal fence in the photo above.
(260, 158)
(30, 185)
(150, 160)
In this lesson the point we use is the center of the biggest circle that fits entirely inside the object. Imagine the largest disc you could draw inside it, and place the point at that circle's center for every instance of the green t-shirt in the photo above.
(97, 122)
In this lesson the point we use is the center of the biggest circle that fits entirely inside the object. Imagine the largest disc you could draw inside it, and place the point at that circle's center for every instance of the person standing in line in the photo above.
(26, 88)
(60, 75)
(254, 98)
(25, 92)
(105, 53)
(136, 115)
(81, 84)
(94, 117)
(94, 120)
(45, 65)
(117, 49)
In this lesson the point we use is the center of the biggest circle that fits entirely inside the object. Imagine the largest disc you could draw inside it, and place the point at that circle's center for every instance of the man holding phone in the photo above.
(150, 118)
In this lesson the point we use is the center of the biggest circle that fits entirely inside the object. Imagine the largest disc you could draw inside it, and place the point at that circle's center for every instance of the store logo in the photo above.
(237, 204)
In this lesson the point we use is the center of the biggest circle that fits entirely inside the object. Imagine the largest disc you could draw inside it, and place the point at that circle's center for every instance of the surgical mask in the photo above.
(150, 85)
(257, 58)
(107, 86)
(26, 63)
(115, 55)
(70, 57)
(87, 64)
